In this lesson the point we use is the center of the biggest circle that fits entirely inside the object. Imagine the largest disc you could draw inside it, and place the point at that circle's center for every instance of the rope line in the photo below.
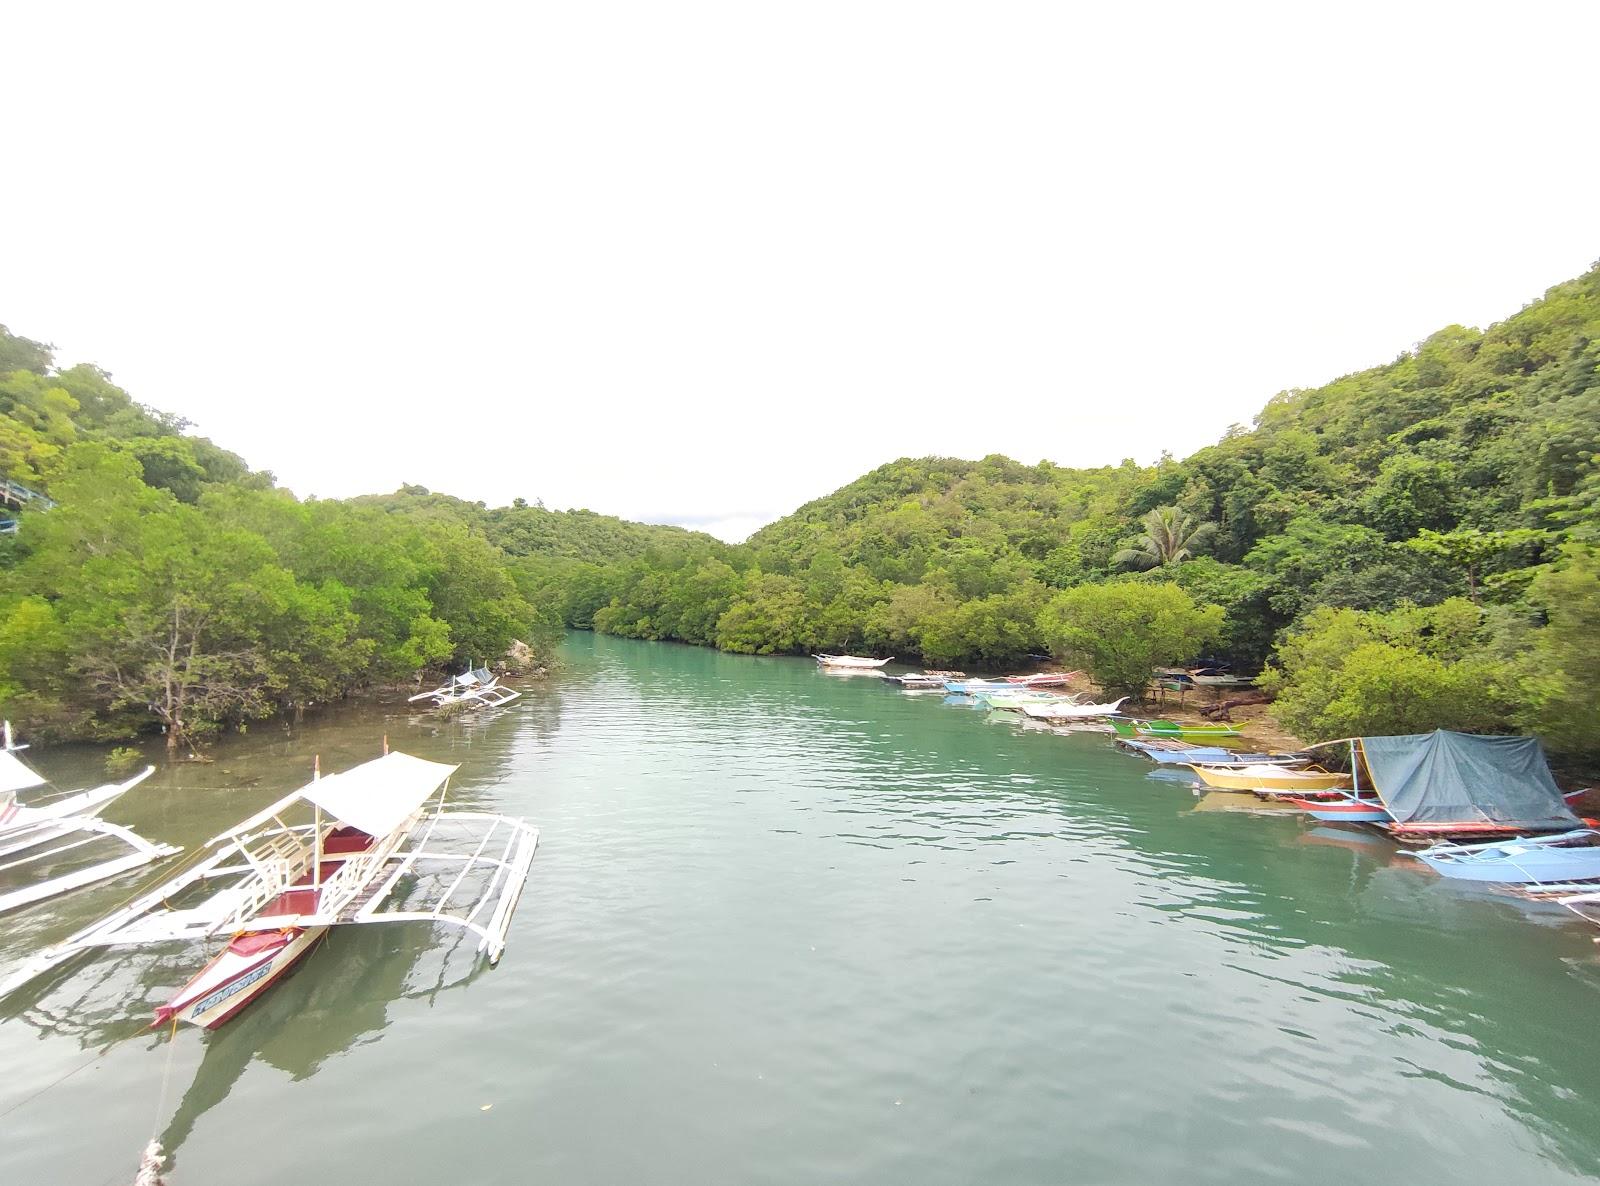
(166, 1080)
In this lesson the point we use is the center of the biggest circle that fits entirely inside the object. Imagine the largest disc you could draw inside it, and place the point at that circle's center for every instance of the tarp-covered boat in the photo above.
(1455, 784)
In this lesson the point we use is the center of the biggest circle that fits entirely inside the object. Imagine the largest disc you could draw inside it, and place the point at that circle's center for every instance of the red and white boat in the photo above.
(1344, 806)
(369, 845)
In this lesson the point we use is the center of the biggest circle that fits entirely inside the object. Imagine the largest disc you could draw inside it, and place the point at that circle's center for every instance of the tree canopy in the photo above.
(171, 586)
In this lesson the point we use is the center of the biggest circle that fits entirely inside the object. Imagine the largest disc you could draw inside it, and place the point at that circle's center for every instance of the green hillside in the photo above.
(1441, 508)
(173, 587)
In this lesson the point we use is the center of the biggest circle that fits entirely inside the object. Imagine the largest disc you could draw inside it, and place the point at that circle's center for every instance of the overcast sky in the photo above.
(699, 263)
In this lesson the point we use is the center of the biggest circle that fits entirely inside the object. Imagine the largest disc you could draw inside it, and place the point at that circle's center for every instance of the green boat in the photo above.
(1131, 727)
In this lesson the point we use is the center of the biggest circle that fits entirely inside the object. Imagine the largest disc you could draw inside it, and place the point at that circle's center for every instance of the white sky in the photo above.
(700, 263)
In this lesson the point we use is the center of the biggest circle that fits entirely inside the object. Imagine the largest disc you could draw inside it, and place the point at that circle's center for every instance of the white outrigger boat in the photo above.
(924, 680)
(1072, 712)
(475, 687)
(374, 849)
(28, 833)
(851, 662)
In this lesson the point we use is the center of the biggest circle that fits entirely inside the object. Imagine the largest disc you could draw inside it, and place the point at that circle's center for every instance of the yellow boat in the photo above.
(1273, 779)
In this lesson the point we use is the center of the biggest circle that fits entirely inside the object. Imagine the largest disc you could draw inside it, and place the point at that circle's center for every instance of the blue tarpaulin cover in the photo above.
(1457, 778)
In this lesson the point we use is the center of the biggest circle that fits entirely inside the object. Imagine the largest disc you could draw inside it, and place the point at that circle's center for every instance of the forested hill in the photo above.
(173, 587)
(522, 529)
(1430, 523)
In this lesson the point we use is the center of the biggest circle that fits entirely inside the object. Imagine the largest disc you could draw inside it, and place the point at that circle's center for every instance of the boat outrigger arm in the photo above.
(29, 834)
(375, 850)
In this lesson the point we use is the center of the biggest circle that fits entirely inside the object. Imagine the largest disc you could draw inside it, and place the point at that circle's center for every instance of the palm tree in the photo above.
(1170, 536)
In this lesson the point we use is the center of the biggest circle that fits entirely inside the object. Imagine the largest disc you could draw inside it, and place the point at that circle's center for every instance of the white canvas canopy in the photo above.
(377, 796)
(382, 792)
(15, 774)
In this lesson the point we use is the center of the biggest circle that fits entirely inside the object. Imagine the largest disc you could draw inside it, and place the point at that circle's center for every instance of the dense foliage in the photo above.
(173, 586)
(1460, 477)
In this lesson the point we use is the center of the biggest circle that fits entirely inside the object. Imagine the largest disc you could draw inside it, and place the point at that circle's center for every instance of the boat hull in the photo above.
(1127, 727)
(1017, 701)
(233, 979)
(1518, 864)
(1177, 757)
(1342, 811)
(1290, 781)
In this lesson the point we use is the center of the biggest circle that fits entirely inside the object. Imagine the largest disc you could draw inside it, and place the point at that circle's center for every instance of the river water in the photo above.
(787, 927)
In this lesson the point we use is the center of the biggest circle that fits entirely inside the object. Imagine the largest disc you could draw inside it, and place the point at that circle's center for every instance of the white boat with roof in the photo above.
(370, 845)
(60, 831)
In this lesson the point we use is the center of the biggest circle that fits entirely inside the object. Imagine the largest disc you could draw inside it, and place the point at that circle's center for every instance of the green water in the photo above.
(788, 927)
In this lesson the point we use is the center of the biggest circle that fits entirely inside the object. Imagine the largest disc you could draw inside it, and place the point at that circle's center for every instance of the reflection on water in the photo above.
(336, 1002)
(792, 928)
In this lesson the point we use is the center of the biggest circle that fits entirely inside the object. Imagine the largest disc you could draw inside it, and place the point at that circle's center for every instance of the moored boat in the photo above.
(1263, 776)
(29, 832)
(242, 971)
(1072, 712)
(1016, 700)
(368, 847)
(851, 662)
(1559, 859)
(1044, 679)
(477, 687)
(925, 679)
(1458, 786)
(1183, 678)
(1137, 727)
(1344, 808)
(971, 687)
(1009, 683)
(1172, 752)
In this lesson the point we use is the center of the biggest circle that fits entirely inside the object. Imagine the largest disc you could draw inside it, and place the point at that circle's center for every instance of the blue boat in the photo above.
(1561, 859)
(971, 687)
(1165, 753)
(1181, 757)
